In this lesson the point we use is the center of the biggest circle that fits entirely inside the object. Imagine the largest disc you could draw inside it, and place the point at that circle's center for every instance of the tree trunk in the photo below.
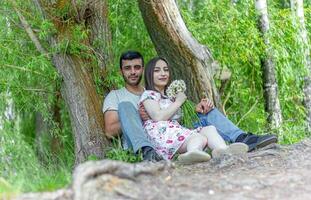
(9, 114)
(84, 107)
(272, 103)
(188, 59)
(56, 144)
(298, 12)
(42, 133)
(78, 89)
(96, 19)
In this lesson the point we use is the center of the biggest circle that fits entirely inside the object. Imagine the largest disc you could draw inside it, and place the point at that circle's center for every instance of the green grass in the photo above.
(116, 152)
(21, 171)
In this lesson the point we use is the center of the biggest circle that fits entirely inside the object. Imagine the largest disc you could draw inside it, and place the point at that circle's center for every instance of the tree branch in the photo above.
(29, 31)
(25, 69)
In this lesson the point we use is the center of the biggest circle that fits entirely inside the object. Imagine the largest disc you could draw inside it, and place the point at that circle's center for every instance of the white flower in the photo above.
(175, 87)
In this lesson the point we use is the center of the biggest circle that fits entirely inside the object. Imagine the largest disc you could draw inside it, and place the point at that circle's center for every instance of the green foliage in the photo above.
(189, 115)
(291, 71)
(46, 29)
(231, 33)
(62, 10)
(74, 45)
(19, 166)
(118, 153)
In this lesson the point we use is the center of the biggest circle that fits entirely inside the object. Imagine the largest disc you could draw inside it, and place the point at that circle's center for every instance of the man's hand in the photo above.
(204, 106)
(143, 113)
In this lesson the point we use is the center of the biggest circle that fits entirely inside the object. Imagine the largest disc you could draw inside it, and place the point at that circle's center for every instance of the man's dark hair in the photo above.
(131, 55)
(149, 82)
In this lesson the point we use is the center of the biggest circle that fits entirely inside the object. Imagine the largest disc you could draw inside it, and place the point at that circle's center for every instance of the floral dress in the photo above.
(166, 136)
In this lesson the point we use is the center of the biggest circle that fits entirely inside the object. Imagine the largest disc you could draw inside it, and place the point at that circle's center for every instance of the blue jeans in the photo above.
(133, 132)
(228, 131)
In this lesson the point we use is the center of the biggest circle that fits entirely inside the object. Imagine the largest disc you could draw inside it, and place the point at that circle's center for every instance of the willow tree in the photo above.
(298, 13)
(189, 60)
(78, 45)
(270, 86)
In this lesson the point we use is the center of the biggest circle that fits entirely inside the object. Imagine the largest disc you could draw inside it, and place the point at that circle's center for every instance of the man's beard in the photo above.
(131, 83)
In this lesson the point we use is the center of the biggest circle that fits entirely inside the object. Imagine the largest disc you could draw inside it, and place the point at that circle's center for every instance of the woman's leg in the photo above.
(192, 150)
(194, 142)
(218, 145)
(215, 141)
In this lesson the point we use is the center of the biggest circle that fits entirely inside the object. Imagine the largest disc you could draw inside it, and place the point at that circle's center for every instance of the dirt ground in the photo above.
(276, 172)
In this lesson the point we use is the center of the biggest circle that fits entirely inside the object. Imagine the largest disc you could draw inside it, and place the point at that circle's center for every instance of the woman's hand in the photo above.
(204, 106)
(181, 98)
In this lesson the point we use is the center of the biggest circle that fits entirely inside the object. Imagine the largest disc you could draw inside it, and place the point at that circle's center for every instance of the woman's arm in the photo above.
(153, 108)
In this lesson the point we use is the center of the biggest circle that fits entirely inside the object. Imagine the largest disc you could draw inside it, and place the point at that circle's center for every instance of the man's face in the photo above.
(132, 71)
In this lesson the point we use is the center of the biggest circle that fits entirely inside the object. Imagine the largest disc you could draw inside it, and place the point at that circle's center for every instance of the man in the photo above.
(121, 114)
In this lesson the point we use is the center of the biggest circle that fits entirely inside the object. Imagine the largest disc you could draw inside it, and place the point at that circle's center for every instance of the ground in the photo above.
(276, 172)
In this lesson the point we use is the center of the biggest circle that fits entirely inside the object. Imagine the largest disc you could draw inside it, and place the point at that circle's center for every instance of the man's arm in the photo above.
(112, 124)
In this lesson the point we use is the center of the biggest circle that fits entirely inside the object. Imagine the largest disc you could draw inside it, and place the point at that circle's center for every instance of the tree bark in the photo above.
(56, 144)
(84, 107)
(272, 103)
(189, 60)
(298, 12)
(96, 19)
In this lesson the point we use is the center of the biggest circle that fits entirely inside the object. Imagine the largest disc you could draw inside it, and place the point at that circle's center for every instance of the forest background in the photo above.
(37, 144)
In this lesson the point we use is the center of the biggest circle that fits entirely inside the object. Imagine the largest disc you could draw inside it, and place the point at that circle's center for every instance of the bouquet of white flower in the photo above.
(189, 116)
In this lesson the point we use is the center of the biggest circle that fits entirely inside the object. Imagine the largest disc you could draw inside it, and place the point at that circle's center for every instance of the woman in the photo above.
(163, 129)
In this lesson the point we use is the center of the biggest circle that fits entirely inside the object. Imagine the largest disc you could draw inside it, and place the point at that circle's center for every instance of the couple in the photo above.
(122, 114)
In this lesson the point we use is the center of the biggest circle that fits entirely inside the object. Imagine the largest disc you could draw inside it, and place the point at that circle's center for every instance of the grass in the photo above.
(21, 171)
(116, 152)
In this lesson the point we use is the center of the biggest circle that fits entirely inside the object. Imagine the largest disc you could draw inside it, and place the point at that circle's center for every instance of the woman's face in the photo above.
(161, 75)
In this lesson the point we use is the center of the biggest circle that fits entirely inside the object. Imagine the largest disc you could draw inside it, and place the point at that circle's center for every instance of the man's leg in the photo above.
(131, 126)
(231, 133)
(133, 131)
(224, 126)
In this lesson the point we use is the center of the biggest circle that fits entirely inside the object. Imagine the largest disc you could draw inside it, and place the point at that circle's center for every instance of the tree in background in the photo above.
(272, 103)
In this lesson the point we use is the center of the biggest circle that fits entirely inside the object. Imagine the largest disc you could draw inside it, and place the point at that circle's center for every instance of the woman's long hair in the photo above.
(149, 70)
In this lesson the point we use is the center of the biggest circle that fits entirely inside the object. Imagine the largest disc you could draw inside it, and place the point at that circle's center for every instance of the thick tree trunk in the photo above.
(84, 107)
(298, 12)
(78, 89)
(272, 103)
(188, 59)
